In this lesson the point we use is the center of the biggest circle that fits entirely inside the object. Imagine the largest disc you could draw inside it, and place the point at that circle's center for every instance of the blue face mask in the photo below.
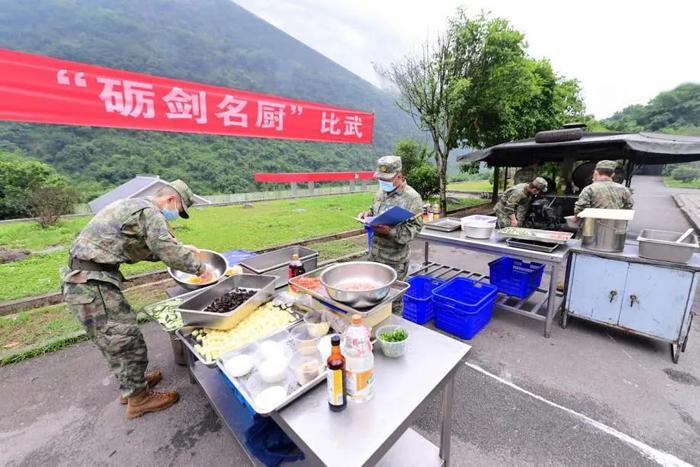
(170, 214)
(386, 186)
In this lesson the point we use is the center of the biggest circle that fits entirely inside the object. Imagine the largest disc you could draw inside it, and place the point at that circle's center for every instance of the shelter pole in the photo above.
(494, 192)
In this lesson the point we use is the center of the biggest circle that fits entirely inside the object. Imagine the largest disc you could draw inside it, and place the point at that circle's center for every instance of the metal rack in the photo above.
(533, 306)
(538, 306)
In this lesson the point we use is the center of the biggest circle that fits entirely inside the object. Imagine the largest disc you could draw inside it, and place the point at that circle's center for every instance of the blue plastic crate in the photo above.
(418, 300)
(515, 277)
(251, 411)
(463, 307)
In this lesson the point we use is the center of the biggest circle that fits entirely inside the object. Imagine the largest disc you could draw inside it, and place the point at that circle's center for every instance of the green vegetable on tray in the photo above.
(166, 314)
(396, 335)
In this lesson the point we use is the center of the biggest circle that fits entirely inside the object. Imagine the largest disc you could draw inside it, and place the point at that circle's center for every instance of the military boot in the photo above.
(152, 377)
(149, 401)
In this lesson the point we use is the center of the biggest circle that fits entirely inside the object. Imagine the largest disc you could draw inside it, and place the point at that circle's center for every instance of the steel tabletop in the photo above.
(364, 433)
(496, 245)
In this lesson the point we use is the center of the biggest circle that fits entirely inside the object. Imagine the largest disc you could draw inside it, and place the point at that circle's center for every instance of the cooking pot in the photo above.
(604, 234)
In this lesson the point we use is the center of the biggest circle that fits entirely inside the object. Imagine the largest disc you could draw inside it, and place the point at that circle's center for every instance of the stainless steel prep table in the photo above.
(498, 247)
(375, 432)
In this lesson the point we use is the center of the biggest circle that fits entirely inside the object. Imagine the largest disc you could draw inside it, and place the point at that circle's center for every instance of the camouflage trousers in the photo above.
(111, 324)
(401, 269)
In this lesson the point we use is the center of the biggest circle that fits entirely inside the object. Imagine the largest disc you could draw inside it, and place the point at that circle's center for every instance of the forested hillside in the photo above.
(209, 41)
(676, 111)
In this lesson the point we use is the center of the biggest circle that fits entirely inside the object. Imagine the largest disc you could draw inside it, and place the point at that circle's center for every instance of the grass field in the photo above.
(476, 185)
(216, 228)
(670, 182)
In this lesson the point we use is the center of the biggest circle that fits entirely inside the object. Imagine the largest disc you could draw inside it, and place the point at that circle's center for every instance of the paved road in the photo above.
(654, 206)
(520, 399)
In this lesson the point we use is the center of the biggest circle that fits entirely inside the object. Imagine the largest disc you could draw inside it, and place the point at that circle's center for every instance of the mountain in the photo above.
(675, 111)
(210, 41)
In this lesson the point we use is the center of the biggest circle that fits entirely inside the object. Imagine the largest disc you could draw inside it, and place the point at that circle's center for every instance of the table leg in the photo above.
(426, 252)
(551, 300)
(190, 365)
(446, 419)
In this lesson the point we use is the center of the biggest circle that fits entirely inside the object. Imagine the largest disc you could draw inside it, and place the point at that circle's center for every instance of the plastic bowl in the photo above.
(318, 322)
(392, 349)
(305, 341)
(306, 367)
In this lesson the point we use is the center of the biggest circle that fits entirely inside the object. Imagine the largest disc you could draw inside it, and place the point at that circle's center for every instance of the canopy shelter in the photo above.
(573, 144)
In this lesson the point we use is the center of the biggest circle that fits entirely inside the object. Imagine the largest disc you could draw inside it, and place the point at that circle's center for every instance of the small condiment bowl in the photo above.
(305, 341)
(306, 368)
(318, 322)
(392, 349)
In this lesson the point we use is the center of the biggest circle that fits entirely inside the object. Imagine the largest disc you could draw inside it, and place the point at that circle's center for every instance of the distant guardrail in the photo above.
(238, 198)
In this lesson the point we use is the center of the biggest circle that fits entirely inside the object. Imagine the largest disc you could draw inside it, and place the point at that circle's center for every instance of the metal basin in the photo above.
(213, 260)
(359, 284)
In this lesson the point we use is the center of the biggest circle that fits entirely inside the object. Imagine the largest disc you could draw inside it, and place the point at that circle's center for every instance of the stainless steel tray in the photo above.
(545, 236)
(148, 309)
(661, 245)
(276, 263)
(446, 224)
(532, 245)
(192, 309)
(184, 334)
(251, 383)
(397, 290)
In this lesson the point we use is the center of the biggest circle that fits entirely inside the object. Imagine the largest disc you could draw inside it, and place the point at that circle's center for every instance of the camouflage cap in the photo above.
(539, 183)
(387, 167)
(610, 165)
(186, 196)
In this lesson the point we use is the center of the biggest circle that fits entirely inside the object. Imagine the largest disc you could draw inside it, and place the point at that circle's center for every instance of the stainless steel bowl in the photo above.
(213, 260)
(342, 280)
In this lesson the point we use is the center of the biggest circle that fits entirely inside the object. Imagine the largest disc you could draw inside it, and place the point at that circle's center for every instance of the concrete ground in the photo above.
(586, 396)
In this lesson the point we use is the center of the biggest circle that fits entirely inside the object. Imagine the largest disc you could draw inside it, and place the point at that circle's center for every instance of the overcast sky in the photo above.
(622, 51)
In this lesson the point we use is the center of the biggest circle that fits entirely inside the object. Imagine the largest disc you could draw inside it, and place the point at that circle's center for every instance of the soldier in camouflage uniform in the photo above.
(126, 231)
(514, 203)
(604, 193)
(390, 245)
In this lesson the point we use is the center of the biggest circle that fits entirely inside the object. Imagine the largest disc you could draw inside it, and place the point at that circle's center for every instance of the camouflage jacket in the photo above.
(394, 247)
(514, 199)
(128, 231)
(604, 195)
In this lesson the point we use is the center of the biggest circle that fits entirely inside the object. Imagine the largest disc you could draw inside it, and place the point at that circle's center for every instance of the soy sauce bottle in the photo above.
(335, 379)
(296, 268)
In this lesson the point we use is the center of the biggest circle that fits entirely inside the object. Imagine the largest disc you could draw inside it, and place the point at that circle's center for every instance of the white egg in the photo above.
(238, 366)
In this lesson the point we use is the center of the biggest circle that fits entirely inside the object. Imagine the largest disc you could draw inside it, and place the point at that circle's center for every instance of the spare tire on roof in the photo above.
(556, 136)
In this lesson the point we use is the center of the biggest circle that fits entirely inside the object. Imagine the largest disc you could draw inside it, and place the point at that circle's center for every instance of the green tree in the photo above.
(676, 111)
(19, 177)
(421, 175)
(475, 86)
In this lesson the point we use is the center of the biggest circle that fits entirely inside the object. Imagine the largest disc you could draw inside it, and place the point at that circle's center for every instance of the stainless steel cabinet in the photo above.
(653, 300)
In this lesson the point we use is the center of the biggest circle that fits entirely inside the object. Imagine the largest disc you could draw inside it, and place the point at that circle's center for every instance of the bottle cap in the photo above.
(356, 319)
(335, 340)
(295, 257)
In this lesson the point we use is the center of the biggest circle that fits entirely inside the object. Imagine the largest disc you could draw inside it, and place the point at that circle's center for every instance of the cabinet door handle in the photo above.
(633, 299)
(612, 295)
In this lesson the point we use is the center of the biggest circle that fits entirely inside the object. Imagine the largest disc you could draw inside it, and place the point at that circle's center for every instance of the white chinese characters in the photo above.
(183, 105)
(330, 122)
(134, 99)
(233, 114)
(270, 115)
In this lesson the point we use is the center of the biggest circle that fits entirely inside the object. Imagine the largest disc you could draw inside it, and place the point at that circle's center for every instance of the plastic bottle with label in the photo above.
(359, 361)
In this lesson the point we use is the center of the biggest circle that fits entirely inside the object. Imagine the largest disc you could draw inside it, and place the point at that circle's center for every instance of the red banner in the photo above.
(40, 89)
